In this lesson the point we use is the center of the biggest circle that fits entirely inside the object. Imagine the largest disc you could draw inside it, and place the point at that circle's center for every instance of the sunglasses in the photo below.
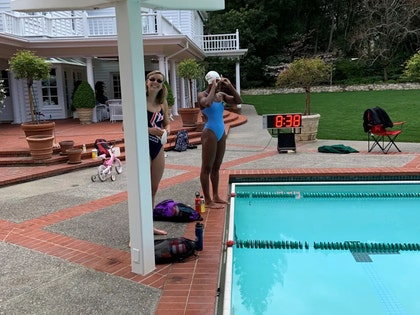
(154, 79)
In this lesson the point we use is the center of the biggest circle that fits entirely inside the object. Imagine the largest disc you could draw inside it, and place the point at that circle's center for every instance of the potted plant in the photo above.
(26, 65)
(84, 102)
(305, 73)
(39, 134)
(189, 69)
(170, 98)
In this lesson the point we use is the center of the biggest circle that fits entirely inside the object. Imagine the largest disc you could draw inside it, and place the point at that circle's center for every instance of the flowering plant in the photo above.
(2, 96)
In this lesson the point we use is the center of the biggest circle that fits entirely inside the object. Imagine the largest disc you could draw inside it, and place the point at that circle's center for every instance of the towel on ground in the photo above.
(336, 148)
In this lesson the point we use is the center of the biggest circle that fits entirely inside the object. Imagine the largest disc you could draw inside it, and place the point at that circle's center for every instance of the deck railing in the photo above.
(47, 26)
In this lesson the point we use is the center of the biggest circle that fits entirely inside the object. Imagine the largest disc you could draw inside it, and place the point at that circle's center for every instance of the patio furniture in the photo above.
(115, 110)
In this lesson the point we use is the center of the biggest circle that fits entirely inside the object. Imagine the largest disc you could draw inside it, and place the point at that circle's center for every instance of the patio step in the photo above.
(15, 158)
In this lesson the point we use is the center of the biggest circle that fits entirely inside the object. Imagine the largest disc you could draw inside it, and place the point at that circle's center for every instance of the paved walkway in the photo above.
(64, 239)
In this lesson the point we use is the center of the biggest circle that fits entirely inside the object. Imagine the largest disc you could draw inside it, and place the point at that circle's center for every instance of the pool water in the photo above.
(319, 248)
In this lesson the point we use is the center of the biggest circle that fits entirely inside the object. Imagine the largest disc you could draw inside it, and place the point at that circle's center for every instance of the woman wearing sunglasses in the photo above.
(159, 128)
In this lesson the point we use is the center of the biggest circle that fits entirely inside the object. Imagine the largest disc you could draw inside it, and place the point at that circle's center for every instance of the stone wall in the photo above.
(336, 88)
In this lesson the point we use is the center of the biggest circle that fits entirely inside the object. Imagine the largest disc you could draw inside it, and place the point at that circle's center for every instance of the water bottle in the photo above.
(202, 205)
(84, 148)
(199, 236)
(197, 202)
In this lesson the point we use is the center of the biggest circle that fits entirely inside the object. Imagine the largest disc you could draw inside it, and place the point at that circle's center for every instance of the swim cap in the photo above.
(212, 75)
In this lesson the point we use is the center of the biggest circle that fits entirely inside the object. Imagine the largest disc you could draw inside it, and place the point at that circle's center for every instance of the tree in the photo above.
(383, 28)
(190, 69)
(26, 65)
(305, 73)
(381, 33)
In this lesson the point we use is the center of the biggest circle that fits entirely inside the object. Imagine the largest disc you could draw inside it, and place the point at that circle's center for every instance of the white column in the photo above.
(91, 81)
(174, 87)
(89, 69)
(238, 77)
(182, 96)
(131, 58)
(162, 67)
(17, 95)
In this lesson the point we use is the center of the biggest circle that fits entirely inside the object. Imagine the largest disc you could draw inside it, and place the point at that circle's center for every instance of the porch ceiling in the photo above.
(179, 47)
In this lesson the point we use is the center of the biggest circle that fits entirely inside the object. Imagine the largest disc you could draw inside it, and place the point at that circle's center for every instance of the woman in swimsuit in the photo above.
(158, 123)
(213, 137)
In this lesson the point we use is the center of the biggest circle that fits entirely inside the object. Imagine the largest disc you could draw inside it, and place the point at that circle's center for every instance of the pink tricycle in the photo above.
(105, 170)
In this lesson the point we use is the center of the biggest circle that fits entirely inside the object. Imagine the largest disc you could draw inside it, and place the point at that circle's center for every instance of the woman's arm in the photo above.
(232, 97)
(166, 117)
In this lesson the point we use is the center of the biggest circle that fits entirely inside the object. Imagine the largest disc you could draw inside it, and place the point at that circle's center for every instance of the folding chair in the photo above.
(381, 131)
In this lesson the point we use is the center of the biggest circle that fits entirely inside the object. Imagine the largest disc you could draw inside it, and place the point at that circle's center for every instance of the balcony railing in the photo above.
(47, 26)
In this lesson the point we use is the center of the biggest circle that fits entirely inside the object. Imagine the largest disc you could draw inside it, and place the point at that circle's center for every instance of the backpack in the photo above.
(171, 250)
(170, 210)
(181, 143)
(102, 146)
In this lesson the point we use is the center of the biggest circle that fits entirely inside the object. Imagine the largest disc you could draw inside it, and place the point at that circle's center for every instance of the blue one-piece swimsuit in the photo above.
(215, 121)
(154, 120)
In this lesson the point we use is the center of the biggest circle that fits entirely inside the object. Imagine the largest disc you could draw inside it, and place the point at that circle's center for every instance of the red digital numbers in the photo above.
(284, 121)
(279, 121)
(296, 120)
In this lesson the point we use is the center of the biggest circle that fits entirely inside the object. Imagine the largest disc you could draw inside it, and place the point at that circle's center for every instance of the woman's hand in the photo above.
(155, 131)
(225, 81)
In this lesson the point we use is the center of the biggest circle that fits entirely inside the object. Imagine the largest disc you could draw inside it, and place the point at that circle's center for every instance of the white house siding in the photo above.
(106, 11)
(5, 5)
(188, 22)
(102, 71)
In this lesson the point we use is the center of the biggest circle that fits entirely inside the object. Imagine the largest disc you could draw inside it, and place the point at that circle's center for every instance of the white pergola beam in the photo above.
(66, 5)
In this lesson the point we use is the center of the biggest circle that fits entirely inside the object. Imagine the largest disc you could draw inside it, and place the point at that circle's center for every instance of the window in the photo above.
(116, 85)
(49, 90)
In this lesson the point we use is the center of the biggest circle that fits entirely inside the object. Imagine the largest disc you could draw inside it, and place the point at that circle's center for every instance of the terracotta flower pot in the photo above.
(189, 116)
(65, 145)
(75, 156)
(40, 146)
(41, 128)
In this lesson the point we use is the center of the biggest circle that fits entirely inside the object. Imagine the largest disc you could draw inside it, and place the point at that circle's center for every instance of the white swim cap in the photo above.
(212, 75)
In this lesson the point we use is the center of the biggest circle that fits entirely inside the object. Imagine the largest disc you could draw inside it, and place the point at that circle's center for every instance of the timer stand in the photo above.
(286, 141)
(291, 122)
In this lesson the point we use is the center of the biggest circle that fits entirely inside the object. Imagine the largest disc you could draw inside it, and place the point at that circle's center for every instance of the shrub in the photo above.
(84, 97)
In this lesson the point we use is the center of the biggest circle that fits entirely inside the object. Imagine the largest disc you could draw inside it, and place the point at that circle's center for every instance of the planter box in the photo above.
(309, 128)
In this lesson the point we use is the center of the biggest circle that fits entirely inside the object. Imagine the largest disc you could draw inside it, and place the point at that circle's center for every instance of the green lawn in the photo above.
(342, 112)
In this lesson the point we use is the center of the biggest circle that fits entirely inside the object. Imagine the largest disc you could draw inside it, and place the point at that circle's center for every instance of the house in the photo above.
(82, 45)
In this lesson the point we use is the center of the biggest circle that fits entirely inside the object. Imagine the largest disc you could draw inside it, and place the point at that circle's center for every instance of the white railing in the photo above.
(221, 42)
(97, 26)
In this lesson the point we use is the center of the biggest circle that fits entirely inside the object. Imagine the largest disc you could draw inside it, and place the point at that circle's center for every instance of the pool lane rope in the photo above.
(347, 245)
(298, 194)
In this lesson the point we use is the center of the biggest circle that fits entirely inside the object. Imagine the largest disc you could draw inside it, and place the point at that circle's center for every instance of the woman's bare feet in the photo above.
(159, 232)
(214, 205)
(220, 200)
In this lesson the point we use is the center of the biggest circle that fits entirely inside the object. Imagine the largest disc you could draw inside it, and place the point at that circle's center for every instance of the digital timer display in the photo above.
(278, 121)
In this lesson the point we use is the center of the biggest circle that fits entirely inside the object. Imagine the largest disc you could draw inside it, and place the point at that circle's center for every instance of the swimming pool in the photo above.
(323, 248)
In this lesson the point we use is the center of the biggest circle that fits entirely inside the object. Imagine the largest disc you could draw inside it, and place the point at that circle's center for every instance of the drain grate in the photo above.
(365, 256)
